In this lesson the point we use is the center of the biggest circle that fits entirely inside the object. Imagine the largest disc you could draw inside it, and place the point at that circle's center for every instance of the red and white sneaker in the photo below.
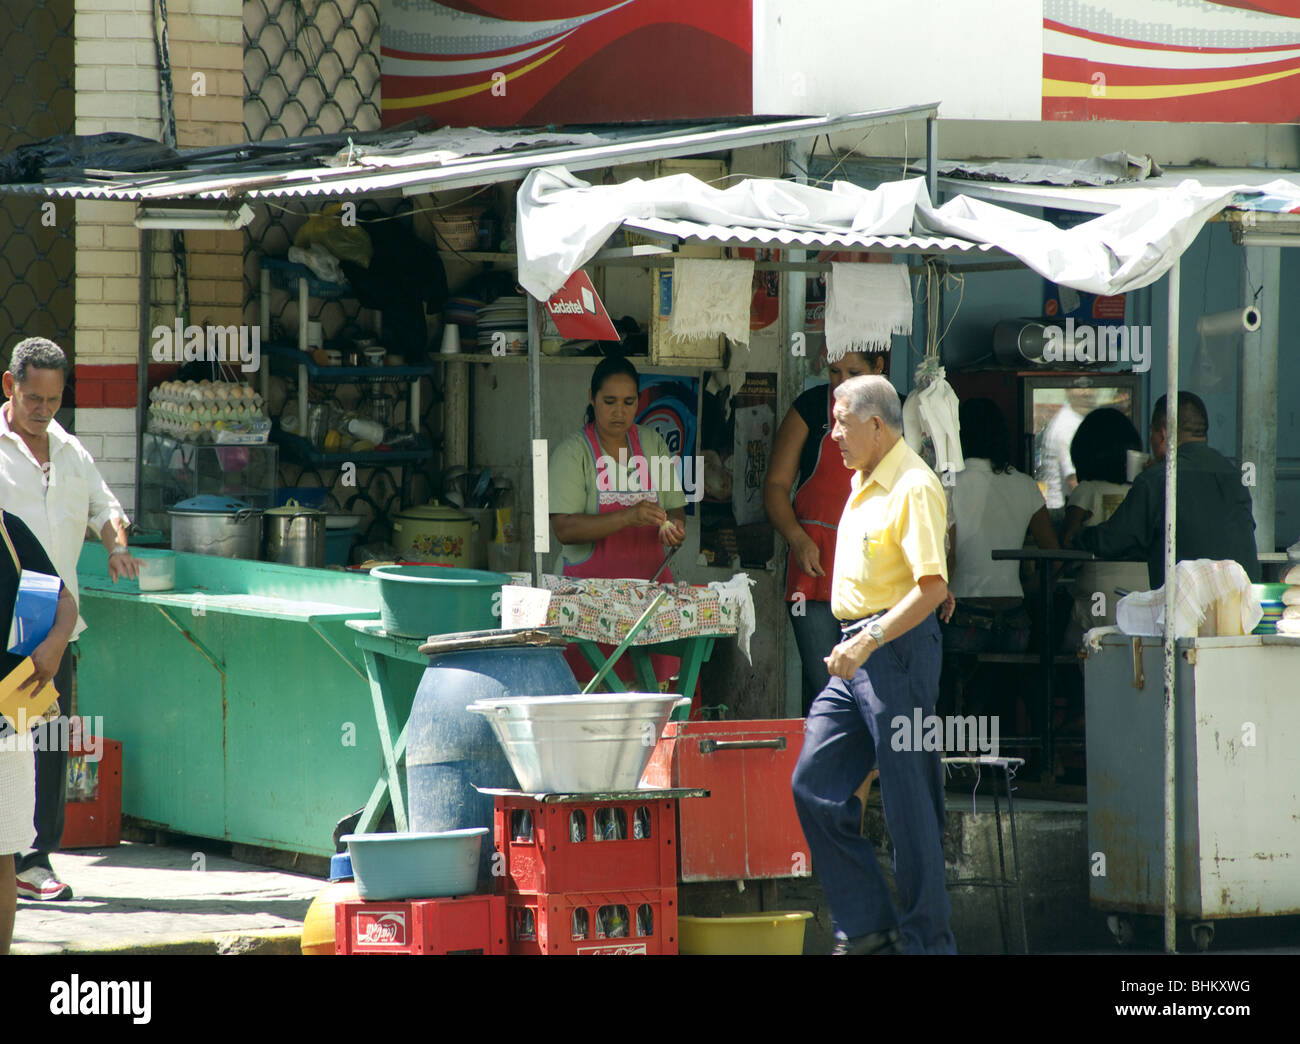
(39, 884)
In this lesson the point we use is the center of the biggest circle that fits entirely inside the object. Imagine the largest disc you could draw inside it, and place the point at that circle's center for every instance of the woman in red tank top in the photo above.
(803, 451)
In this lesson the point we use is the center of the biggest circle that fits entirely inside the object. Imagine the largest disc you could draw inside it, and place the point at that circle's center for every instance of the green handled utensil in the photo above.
(622, 647)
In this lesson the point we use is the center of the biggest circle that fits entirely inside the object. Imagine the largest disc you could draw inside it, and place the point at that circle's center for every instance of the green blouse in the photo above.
(572, 475)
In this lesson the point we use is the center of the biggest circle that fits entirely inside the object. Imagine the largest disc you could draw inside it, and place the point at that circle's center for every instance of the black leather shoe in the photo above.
(886, 942)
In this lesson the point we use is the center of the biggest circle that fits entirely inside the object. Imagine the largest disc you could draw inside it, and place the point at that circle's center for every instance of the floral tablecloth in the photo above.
(605, 610)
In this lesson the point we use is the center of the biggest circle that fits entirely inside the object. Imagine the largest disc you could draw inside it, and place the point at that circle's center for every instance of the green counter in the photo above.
(240, 697)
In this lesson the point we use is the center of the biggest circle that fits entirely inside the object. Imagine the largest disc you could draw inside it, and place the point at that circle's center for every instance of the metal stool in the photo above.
(1008, 767)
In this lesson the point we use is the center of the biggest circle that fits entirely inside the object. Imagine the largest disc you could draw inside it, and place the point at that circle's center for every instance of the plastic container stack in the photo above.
(1290, 620)
(588, 876)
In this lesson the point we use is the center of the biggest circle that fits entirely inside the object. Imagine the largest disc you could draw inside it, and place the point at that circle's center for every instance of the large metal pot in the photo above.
(213, 525)
(578, 744)
(295, 535)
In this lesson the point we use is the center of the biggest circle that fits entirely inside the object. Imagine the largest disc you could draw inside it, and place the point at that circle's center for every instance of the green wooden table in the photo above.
(694, 652)
(377, 648)
(239, 696)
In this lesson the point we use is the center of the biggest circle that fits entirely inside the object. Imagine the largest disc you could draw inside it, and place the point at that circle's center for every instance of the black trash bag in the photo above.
(405, 279)
(112, 151)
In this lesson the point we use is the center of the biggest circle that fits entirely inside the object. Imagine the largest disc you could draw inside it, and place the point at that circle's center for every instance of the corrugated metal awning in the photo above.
(416, 176)
(789, 237)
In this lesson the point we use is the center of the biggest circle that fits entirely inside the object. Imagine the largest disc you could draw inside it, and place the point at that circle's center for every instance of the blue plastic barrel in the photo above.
(450, 751)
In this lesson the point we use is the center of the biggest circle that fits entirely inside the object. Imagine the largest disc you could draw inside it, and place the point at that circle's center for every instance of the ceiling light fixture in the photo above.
(193, 218)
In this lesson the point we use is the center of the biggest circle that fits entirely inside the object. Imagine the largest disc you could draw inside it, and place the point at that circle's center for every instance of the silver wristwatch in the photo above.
(877, 632)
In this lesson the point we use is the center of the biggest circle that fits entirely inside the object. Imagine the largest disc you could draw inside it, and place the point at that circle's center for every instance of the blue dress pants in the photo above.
(849, 732)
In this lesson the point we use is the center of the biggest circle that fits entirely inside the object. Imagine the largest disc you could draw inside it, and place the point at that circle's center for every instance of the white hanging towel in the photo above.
(711, 298)
(931, 414)
(866, 304)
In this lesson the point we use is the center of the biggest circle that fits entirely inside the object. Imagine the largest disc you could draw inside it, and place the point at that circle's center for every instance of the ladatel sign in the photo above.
(381, 929)
(578, 312)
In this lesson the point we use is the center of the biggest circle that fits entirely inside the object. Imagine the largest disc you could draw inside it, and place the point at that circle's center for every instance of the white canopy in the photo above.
(564, 221)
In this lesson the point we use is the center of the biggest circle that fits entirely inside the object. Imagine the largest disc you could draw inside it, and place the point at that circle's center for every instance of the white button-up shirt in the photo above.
(57, 510)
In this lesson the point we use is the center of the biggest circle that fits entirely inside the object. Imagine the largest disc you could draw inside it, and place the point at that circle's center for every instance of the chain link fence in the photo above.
(37, 242)
(312, 67)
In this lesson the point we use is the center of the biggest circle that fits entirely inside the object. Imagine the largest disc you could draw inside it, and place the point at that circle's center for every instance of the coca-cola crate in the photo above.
(585, 846)
(463, 924)
(92, 817)
(609, 924)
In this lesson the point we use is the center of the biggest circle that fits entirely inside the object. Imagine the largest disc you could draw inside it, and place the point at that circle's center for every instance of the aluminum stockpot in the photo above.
(579, 744)
(214, 525)
(295, 535)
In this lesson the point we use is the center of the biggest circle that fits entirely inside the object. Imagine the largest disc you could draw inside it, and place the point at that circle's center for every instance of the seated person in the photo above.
(994, 505)
(1215, 516)
(1100, 453)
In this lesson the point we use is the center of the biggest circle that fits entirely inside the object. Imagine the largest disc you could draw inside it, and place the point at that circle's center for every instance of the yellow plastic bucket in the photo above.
(777, 932)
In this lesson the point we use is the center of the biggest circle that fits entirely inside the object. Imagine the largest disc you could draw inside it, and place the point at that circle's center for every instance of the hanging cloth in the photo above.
(865, 306)
(711, 298)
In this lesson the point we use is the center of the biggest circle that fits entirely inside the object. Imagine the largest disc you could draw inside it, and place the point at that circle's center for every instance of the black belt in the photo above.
(852, 627)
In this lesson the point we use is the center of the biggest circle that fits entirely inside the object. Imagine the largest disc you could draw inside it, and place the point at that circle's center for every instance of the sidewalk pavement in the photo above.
(139, 898)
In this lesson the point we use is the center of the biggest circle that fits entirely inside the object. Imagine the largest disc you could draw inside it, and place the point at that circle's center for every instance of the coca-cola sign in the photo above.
(617, 950)
(381, 929)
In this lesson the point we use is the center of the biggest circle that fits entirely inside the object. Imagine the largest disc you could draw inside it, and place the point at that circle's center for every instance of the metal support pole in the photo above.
(142, 367)
(1171, 593)
(535, 416)
(795, 368)
(932, 159)
(1258, 401)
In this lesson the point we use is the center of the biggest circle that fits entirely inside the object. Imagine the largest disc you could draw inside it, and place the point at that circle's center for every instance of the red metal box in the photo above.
(748, 828)
(585, 846)
(610, 924)
(463, 924)
(93, 813)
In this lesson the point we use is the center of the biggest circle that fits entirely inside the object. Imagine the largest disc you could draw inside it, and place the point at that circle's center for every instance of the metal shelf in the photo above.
(286, 275)
(343, 374)
(299, 449)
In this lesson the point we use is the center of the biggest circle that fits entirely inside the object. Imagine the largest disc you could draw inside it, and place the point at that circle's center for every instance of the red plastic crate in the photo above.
(545, 923)
(95, 822)
(537, 841)
(461, 924)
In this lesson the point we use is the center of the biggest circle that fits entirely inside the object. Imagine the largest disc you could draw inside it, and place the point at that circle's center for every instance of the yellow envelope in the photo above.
(32, 704)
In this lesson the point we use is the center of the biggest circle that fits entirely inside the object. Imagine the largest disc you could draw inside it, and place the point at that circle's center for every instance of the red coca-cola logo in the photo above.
(386, 929)
(621, 950)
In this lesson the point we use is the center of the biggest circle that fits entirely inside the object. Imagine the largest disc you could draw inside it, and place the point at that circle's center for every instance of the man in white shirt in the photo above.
(49, 481)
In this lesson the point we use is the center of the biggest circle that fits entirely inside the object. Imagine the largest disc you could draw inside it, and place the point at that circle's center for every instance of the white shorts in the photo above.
(17, 798)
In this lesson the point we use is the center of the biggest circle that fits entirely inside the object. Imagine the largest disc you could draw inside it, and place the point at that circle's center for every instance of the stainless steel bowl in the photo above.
(578, 744)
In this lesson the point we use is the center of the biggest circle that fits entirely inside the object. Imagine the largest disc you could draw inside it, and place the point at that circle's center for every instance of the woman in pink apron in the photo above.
(610, 507)
(804, 450)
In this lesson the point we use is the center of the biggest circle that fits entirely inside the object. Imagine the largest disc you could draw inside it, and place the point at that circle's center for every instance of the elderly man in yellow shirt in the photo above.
(890, 577)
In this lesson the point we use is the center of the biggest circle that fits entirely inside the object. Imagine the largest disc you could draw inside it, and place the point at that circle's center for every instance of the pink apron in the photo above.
(632, 553)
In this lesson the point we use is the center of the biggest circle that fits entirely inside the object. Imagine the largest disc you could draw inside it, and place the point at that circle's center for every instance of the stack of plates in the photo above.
(463, 311)
(507, 316)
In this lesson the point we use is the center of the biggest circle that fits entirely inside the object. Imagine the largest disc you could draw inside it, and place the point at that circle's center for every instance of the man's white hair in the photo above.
(870, 395)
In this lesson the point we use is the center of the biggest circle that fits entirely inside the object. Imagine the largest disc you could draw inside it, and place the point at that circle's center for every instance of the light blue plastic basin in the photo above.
(416, 866)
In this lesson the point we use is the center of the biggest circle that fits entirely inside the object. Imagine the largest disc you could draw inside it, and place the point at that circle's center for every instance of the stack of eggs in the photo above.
(1290, 621)
(193, 410)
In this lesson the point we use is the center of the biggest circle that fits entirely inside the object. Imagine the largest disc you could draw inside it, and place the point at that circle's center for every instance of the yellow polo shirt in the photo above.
(891, 534)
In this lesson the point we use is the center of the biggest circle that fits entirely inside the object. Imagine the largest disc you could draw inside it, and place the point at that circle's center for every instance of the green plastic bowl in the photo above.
(419, 601)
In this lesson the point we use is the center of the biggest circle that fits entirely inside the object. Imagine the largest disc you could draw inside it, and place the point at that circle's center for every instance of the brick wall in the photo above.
(117, 89)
